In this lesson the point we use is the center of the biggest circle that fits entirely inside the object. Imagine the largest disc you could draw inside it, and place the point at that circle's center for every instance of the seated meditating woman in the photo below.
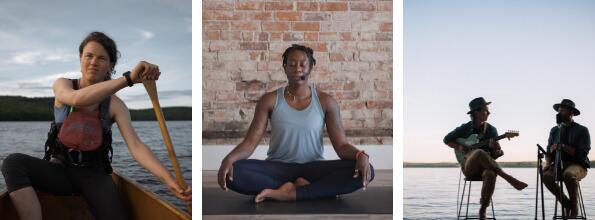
(295, 168)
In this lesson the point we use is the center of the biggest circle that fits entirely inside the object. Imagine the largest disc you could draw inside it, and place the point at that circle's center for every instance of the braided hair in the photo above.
(308, 51)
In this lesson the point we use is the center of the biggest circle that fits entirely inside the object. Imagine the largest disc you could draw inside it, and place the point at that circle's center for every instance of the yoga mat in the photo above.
(374, 200)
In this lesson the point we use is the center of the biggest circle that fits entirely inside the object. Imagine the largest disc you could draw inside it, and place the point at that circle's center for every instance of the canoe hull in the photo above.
(140, 203)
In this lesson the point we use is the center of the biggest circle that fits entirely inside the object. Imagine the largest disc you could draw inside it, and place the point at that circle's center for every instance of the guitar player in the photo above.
(481, 161)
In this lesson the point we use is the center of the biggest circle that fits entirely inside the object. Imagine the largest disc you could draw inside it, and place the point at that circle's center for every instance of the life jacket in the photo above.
(78, 157)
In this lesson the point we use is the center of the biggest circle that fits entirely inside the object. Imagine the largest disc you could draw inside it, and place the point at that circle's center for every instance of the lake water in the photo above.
(29, 138)
(431, 193)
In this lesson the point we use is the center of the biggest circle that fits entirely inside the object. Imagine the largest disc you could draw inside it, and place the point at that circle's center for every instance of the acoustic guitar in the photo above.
(472, 142)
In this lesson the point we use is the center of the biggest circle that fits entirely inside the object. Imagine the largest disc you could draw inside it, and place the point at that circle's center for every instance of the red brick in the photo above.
(254, 75)
(256, 55)
(211, 35)
(231, 35)
(310, 36)
(328, 36)
(326, 86)
(333, 6)
(276, 36)
(215, 25)
(348, 86)
(347, 95)
(386, 27)
(253, 85)
(352, 104)
(253, 46)
(227, 96)
(217, 45)
(317, 16)
(263, 36)
(262, 16)
(247, 36)
(346, 36)
(244, 25)
(336, 57)
(306, 26)
(353, 123)
(281, 5)
(288, 16)
(275, 26)
(293, 36)
(275, 56)
(249, 5)
(317, 47)
(274, 85)
(307, 6)
(385, 6)
(217, 5)
(362, 6)
(378, 104)
(218, 85)
(383, 85)
(220, 15)
(384, 36)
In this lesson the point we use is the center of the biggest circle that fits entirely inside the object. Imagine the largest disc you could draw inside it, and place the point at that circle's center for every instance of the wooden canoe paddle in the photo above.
(152, 91)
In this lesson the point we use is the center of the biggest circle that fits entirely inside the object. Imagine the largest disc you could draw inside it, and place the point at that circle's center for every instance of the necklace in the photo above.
(294, 96)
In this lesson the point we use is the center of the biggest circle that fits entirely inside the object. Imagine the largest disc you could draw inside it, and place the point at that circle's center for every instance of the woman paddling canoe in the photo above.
(78, 150)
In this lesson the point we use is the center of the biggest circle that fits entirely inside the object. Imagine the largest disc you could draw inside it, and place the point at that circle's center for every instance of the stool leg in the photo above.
(468, 196)
(582, 202)
(493, 213)
(556, 209)
(461, 202)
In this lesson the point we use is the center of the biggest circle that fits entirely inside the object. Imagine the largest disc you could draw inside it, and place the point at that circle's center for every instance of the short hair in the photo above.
(309, 53)
(107, 43)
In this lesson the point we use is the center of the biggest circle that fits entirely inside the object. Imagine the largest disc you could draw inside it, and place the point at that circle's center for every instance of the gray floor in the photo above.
(383, 178)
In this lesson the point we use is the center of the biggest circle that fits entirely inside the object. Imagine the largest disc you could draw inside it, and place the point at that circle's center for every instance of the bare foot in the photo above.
(517, 184)
(301, 182)
(284, 193)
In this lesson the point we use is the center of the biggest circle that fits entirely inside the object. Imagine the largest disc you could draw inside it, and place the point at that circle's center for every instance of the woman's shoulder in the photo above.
(61, 82)
(268, 99)
(325, 98)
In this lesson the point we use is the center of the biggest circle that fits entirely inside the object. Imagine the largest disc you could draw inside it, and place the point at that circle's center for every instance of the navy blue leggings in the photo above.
(327, 178)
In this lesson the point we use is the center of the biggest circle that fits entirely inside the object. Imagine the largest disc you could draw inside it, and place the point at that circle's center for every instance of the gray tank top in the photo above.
(296, 135)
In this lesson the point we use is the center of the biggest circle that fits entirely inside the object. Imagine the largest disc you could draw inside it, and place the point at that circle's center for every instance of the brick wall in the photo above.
(242, 46)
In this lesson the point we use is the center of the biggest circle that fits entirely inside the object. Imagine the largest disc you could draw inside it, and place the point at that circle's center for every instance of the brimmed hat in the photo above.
(477, 103)
(569, 104)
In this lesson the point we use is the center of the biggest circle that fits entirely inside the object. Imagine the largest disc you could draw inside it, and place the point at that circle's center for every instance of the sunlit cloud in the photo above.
(41, 57)
(147, 35)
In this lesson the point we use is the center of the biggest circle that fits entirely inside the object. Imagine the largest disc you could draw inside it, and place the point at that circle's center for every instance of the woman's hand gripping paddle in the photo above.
(152, 91)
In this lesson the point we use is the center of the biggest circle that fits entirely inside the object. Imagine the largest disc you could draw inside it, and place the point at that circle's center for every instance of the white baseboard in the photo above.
(381, 156)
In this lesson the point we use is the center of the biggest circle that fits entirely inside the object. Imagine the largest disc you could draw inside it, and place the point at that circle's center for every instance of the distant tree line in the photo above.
(18, 108)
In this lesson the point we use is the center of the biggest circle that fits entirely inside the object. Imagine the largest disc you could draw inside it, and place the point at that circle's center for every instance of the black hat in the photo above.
(477, 103)
(569, 104)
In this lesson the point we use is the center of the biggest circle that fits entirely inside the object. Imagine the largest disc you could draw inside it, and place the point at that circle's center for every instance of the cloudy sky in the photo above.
(524, 56)
(39, 42)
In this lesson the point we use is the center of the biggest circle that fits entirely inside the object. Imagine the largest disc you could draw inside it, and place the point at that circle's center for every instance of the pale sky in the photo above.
(39, 42)
(524, 56)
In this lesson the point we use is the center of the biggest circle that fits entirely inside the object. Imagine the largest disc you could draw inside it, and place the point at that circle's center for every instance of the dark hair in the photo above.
(107, 43)
(309, 53)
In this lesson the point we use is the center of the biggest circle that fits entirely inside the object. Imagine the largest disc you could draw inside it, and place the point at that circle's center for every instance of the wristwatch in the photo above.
(128, 79)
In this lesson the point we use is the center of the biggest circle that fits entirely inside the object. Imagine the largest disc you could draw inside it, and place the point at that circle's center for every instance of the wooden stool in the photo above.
(460, 205)
(581, 207)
